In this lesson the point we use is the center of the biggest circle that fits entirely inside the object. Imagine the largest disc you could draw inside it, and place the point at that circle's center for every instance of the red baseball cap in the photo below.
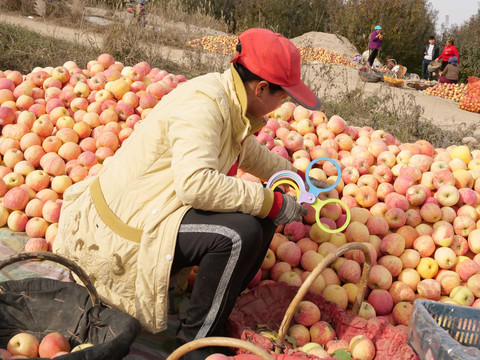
(274, 58)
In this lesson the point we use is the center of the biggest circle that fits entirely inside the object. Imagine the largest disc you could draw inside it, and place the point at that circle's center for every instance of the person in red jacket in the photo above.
(448, 51)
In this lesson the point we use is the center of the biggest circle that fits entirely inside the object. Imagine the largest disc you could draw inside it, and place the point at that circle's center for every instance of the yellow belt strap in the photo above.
(109, 218)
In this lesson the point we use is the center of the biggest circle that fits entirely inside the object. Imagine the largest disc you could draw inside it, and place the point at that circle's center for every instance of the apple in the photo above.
(290, 278)
(393, 263)
(425, 245)
(38, 180)
(448, 280)
(401, 291)
(16, 199)
(300, 333)
(290, 253)
(52, 344)
(362, 348)
(445, 257)
(336, 294)
(307, 313)
(462, 295)
(23, 344)
(81, 347)
(401, 313)
(36, 244)
(411, 277)
(410, 258)
(17, 220)
(429, 289)
(5, 354)
(430, 212)
(349, 271)
(366, 311)
(467, 268)
(36, 227)
(310, 259)
(474, 241)
(427, 268)
(321, 333)
(393, 244)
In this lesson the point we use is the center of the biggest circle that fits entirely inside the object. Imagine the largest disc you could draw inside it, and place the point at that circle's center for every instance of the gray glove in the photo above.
(317, 183)
(290, 211)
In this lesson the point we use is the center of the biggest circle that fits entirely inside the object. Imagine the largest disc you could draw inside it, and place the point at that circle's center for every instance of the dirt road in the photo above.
(180, 56)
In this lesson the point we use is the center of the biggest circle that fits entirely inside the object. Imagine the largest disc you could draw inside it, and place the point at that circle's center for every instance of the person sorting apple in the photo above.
(169, 198)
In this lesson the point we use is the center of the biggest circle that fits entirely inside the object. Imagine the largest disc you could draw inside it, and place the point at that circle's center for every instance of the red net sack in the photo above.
(471, 101)
(267, 304)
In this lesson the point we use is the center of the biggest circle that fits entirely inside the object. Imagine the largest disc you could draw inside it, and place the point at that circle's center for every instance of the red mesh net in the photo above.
(471, 101)
(267, 304)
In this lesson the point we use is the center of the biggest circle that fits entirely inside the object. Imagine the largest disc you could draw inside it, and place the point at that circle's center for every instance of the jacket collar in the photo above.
(251, 124)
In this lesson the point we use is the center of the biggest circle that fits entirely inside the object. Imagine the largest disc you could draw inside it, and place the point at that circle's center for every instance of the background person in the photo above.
(430, 52)
(169, 198)
(451, 72)
(448, 51)
(376, 39)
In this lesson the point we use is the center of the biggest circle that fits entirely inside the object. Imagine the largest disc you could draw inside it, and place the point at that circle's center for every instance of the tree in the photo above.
(467, 41)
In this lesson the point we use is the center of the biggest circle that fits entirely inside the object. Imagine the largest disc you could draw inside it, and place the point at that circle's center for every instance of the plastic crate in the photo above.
(444, 331)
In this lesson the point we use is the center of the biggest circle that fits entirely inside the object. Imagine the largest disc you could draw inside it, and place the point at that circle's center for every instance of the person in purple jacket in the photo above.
(376, 39)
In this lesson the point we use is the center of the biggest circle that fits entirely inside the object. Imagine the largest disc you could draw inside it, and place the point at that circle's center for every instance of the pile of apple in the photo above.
(58, 125)
(24, 346)
(471, 101)
(217, 44)
(226, 45)
(314, 54)
(455, 92)
(417, 207)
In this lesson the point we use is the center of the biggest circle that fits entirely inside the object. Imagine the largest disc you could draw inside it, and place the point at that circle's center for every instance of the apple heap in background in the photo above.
(217, 44)
(25, 345)
(455, 92)
(226, 45)
(471, 101)
(58, 125)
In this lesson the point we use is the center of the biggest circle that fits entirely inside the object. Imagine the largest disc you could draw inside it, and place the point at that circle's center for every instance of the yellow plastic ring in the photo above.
(326, 229)
(288, 182)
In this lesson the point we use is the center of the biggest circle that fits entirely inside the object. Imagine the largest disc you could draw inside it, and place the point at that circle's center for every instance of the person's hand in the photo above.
(290, 211)
(317, 183)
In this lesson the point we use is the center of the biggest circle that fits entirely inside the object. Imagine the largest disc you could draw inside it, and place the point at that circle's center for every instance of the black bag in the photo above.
(42, 306)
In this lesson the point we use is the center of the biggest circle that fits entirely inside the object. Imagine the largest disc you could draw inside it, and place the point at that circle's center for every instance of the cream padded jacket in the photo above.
(121, 226)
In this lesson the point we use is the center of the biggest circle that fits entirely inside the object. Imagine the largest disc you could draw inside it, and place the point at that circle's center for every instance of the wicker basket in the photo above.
(434, 66)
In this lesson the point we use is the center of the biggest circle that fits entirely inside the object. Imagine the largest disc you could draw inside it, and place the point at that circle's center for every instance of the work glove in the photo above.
(290, 211)
(317, 183)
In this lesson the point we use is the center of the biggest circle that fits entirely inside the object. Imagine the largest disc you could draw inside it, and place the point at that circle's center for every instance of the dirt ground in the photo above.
(328, 80)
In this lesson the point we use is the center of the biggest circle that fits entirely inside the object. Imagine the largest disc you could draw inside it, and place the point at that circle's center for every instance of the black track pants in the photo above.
(373, 55)
(229, 249)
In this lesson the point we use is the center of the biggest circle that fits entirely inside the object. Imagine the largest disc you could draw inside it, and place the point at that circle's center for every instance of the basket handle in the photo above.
(219, 341)
(330, 258)
(70, 265)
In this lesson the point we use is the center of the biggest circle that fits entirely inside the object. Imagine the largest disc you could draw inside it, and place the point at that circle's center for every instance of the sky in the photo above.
(458, 11)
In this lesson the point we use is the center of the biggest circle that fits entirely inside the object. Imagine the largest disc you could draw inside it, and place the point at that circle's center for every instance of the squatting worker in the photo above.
(167, 200)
